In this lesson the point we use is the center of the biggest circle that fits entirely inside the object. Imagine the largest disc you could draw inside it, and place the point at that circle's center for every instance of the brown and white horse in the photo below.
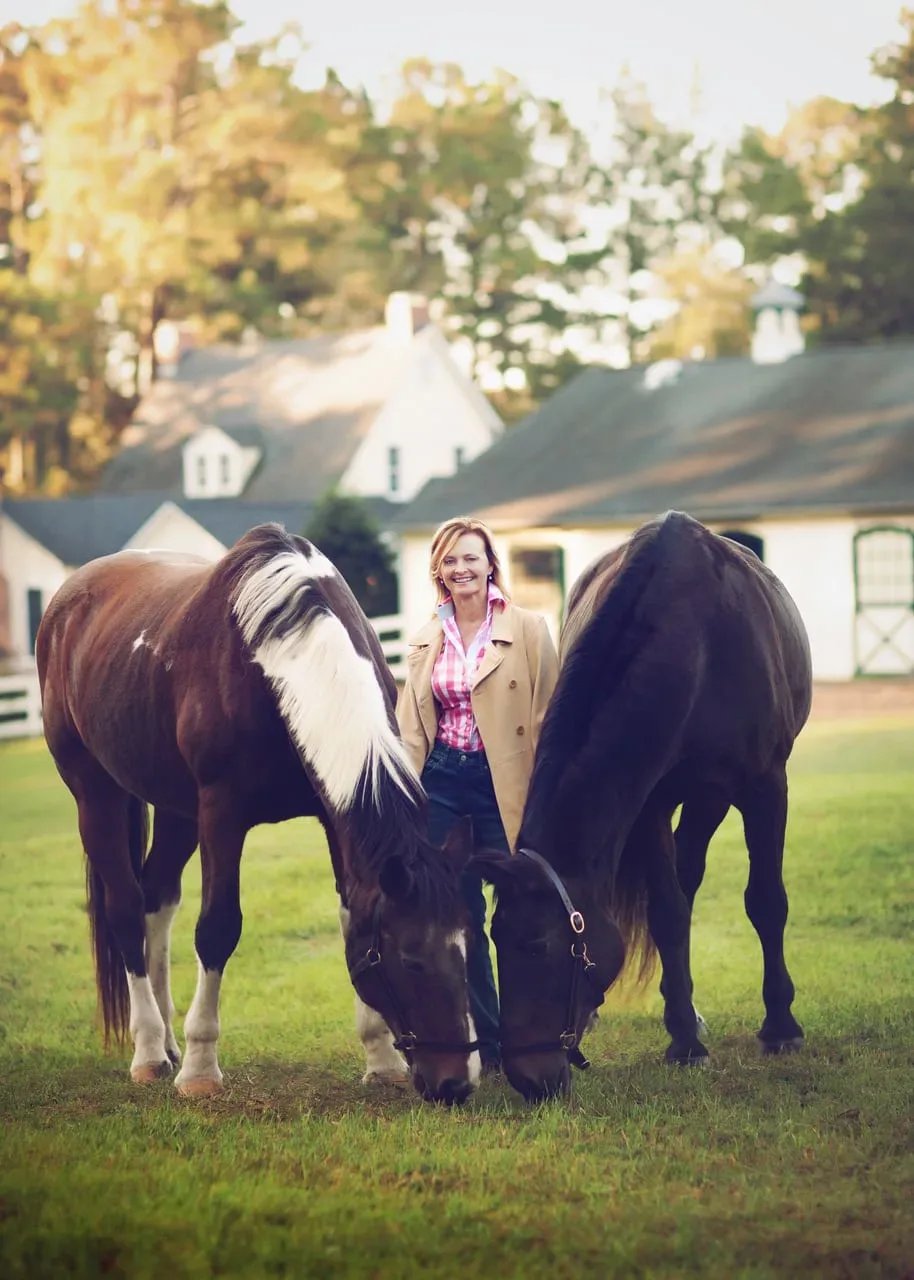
(685, 679)
(225, 696)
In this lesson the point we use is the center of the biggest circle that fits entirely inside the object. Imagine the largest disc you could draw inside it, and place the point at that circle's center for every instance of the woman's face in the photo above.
(466, 568)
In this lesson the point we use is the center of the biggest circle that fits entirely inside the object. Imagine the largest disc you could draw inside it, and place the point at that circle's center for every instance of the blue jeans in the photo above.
(459, 784)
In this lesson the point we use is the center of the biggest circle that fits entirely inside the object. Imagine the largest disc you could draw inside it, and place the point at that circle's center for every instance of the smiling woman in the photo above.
(479, 677)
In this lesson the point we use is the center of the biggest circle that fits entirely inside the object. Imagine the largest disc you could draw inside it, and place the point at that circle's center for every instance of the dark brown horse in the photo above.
(228, 695)
(685, 680)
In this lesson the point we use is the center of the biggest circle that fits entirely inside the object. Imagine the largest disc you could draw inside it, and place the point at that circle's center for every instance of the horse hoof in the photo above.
(772, 1047)
(149, 1072)
(199, 1088)
(378, 1079)
(691, 1058)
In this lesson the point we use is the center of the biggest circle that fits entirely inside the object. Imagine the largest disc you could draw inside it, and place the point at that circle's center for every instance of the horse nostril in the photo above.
(452, 1091)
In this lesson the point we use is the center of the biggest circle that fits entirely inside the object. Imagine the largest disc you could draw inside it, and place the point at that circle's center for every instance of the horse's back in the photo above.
(106, 655)
(704, 619)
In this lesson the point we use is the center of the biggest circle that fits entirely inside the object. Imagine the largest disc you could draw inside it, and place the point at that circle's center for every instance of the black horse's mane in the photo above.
(587, 723)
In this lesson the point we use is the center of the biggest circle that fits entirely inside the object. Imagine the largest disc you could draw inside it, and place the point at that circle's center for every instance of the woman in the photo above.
(479, 676)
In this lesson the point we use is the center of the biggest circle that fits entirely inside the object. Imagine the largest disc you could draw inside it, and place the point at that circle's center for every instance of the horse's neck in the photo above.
(577, 824)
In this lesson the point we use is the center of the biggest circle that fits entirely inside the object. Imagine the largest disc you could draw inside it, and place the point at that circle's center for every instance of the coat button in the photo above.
(512, 684)
(520, 730)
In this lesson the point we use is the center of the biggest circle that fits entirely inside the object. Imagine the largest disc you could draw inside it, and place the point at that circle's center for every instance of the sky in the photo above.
(752, 58)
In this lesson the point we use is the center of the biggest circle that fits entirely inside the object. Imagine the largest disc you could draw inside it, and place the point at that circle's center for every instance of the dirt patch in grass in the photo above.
(837, 699)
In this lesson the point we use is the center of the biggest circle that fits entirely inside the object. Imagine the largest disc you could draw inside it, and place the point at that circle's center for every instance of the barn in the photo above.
(808, 459)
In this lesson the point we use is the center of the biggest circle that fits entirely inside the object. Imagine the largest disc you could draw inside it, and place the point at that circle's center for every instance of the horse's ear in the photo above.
(458, 844)
(396, 879)
(494, 865)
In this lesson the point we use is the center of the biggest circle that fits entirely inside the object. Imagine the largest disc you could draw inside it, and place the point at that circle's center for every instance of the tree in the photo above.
(860, 282)
(482, 195)
(711, 318)
(343, 528)
(660, 198)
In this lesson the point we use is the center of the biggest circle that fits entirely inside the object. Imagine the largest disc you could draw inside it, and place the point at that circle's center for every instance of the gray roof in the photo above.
(81, 528)
(826, 431)
(308, 403)
(775, 294)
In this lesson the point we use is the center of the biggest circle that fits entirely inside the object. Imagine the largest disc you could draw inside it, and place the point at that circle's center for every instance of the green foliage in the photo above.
(342, 526)
(755, 1169)
(860, 283)
(153, 167)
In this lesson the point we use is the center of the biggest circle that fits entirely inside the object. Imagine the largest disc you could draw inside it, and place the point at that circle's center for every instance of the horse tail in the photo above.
(110, 972)
(629, 913)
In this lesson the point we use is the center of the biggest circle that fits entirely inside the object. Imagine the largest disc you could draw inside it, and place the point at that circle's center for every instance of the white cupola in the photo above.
(777, 335)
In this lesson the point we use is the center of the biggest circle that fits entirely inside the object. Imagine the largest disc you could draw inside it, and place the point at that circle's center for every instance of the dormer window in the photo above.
(393, 469)
(219, 465)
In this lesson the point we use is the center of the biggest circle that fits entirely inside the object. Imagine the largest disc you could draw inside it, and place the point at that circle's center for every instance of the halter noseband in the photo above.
(569, 1039)
(407, 1041)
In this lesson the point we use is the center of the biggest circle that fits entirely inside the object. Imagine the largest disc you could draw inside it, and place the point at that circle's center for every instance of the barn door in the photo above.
(884, 582)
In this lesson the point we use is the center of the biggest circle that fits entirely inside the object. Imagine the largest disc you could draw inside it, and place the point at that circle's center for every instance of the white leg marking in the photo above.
(158, 939)
(383, 1063)
(200, 1073)
(147, 1028)
(474, 1065)
(320, 680)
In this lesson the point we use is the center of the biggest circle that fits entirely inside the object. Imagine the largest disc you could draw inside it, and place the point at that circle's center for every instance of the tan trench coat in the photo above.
(513, 685)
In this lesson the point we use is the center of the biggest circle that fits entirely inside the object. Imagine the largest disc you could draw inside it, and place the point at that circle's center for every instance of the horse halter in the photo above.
(581, 964)
(406, 1041)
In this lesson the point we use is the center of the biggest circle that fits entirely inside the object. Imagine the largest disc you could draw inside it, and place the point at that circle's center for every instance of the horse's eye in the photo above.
(413, 964)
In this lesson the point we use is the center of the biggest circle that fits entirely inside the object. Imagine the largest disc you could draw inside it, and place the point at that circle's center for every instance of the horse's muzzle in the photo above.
(553, 1081)
(450, 1091)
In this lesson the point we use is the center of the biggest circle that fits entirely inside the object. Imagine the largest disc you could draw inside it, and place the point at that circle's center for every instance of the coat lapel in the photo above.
(502, 634)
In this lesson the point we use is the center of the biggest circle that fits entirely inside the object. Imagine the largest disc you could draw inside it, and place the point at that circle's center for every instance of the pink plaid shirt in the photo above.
(454, 674)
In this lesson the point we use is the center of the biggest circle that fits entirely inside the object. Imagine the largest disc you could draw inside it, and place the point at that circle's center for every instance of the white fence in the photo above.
(20, 697)
(390, 633)
(20, 705)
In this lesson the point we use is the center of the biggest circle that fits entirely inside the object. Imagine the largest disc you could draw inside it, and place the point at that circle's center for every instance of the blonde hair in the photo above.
(446, 537)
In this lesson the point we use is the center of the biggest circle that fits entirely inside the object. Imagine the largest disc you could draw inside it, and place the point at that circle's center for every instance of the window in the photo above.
(885, 567)
(35, 610)
(538, 580)
(201, 471)
(750, 540)
(225, 470)
(393, 469)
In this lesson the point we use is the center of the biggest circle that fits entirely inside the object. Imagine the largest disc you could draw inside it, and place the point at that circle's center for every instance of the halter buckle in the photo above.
(583, 955)
(372, 957)
(568, 1040)
(576, 920)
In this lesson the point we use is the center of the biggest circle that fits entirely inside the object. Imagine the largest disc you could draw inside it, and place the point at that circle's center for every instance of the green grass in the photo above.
(800, 1166)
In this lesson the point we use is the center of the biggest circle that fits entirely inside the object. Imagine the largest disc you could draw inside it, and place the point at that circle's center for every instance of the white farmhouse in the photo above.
(376, 413)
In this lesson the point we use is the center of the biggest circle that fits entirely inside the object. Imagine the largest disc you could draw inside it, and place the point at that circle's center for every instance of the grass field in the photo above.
(799, 1166)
